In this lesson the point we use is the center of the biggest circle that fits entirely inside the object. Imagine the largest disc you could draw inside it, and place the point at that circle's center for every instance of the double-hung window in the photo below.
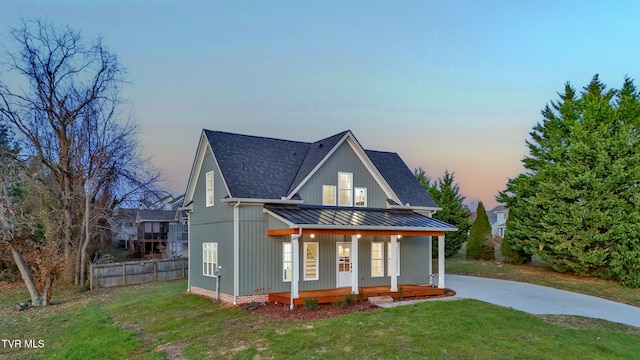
(287, 262)
(209, 188)
(345, 189)
(311, 261)
(329, 195)
(377, 262)
(209, 258)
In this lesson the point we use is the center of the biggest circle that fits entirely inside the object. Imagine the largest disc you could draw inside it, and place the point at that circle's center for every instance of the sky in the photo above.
(448, 85)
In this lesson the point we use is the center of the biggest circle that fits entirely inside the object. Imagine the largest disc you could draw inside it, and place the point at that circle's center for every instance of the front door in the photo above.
(344, 264)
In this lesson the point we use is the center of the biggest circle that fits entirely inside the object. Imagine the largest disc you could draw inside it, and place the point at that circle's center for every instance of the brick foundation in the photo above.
(229, 298)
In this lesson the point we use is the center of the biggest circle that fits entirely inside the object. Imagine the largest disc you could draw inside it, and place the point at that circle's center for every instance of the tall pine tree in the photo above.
(446, 194)
(577, 206)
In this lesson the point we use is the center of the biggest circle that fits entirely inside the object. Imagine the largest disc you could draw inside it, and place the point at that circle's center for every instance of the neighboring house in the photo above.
(269, 215)
(153, 231)
(124, 227)
(498, 220)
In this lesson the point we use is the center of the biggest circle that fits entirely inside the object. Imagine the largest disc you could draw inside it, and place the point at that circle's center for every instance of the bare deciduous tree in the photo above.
(69, 119)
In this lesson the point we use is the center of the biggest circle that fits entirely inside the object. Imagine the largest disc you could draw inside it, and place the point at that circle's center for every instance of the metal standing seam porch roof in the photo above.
(312, 217)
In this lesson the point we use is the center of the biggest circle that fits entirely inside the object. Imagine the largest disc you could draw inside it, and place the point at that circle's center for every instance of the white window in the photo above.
(345, 189)
(209, 181)
(389, 259)
(377, 255)
(329, 195)
(287, 262)
(361, 196)
(311, 261)
(209, 258)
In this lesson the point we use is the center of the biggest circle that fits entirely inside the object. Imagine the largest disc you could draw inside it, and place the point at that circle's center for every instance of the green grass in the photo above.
(160, 320)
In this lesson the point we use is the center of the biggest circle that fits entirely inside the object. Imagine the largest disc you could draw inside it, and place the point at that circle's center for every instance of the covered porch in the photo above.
(328, 296)
(357, 225)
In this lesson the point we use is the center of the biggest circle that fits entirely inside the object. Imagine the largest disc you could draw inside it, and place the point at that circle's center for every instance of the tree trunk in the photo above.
(36, 298)
(85, 240)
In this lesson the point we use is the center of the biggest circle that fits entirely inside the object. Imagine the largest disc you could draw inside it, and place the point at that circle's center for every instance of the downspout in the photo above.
(189, 247)
(236, 252)
(295, 250)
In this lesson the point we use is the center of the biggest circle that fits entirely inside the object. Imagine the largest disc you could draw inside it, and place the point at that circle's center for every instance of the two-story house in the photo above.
(498, 220)
(271, 216)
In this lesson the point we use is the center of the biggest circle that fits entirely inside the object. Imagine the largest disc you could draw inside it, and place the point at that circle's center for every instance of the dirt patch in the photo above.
(581, 322)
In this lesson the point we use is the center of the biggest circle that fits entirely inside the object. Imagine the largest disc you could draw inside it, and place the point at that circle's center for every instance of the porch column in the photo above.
(354, 264)
(441, 262)
(295, 250)
(394, 263)
(430, 258)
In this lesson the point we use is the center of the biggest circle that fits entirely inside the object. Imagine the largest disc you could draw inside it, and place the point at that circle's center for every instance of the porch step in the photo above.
(377, 300)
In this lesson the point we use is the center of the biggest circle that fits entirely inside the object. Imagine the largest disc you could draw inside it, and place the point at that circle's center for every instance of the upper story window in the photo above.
(209, 186)
(329, 195)
(361, 196)
(345, 189)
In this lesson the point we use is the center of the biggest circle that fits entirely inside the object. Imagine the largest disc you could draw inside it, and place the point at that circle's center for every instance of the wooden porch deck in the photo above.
(330, 295)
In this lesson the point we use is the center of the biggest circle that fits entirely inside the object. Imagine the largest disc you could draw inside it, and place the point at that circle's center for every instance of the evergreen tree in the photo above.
(577, 206)
(510, 255)
(480, 244)
(446, 193)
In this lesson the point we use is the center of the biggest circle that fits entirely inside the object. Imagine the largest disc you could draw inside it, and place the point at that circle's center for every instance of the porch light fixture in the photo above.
(399, 236)
(359, 236)
(313, 236)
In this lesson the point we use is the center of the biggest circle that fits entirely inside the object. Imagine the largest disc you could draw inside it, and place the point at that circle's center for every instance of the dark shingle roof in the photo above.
(317, 151)
(157, 215)
(256, 167)
(400, 178)
(357, 217)
(267, 168)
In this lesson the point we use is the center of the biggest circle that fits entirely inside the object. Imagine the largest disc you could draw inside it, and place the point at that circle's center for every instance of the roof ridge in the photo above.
(294, 181)
(255, 136)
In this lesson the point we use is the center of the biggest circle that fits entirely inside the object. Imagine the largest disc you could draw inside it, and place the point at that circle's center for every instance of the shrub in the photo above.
(310, 304)
(480, 245)
(347, 300)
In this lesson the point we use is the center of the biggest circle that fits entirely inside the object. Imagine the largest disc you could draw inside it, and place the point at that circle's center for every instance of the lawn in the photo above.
(162, 321)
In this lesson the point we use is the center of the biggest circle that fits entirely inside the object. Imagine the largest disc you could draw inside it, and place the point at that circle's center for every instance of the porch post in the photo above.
(295, 250)
(394, 263)
(441, 262)
(430, 258)
(354, 264)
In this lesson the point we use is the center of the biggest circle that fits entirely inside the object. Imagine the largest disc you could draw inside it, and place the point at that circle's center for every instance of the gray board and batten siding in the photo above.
(211, 224)
(344, 159)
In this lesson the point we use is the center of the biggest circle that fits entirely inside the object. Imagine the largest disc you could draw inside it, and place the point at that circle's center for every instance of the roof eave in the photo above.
(262, 201)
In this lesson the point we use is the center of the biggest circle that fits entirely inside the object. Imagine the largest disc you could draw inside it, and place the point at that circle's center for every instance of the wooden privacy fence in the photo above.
(136, 272)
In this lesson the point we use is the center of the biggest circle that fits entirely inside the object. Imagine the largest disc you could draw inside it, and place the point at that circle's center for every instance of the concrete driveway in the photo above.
(537, 299)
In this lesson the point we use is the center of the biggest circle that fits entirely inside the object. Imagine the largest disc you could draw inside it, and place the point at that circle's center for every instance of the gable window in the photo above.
(389, 259)
(287, 262)
(329, 195)
(209, 258)
(377, 254)
(311, 261)
(209, 186)
(345, 189)
(361, 197)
